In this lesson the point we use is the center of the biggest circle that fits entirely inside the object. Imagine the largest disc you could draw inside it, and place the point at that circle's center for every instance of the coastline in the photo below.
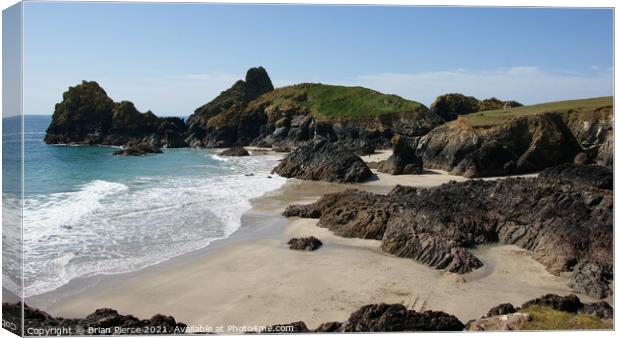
(252, 278)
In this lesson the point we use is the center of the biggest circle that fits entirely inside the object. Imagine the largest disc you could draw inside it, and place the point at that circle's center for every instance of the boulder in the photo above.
(323, 161)
(504, 322)
(502, 309)
(590, 278)
(403, 160)
(450, 106)
(235, 151)
(138, 149)
(304, 243)
(397, 318)
(570, 303)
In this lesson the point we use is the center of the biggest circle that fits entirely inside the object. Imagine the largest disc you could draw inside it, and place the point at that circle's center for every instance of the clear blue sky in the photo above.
(172, 58)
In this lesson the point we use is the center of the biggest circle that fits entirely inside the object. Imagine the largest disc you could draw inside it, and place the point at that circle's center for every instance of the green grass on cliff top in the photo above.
(493, 117)
(331, 101)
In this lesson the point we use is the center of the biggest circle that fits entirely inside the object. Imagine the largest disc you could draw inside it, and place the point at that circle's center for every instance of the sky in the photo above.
(172, 58)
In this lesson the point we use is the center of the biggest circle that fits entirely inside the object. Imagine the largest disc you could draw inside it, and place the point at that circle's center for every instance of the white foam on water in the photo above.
(110, 227)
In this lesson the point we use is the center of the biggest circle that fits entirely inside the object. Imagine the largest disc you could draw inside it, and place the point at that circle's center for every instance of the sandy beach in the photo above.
(252, 278)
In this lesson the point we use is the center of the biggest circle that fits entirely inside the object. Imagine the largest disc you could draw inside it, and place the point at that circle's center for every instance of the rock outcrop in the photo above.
(568, 227)
(450, 106)
(235, 151)
(587, 175)
(595, 133)
(304, 243)
(86, 115)
(521, 145)
(217, 123)
(504, 322)
(100, 322)
(403, 160)
(137, 150)
(324, 161)
(502, 309)
(395, 318)
(496, 104)
(251, 112)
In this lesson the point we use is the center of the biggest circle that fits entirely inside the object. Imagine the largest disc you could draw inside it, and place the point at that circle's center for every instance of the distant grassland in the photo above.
(329, 101)
(492, 117)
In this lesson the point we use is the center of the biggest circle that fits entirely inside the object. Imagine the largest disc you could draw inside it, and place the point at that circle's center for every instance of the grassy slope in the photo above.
(492, 117)
(546, 318)
(329, 101)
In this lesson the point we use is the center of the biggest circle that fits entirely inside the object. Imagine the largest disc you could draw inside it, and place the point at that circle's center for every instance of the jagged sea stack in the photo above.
(87, 115)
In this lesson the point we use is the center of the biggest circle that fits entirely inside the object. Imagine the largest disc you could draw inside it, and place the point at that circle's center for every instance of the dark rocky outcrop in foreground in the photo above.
(100, 322)
(304, 243)
(86, 115)
(324, 161)
(235, 151)
(403, 160)
(138, 150)
(393, 318)
(567, 227)
(586, 175)
(396, 317)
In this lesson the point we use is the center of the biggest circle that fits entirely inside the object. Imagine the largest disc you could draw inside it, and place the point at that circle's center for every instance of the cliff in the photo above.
(290, 116)
(521, 140)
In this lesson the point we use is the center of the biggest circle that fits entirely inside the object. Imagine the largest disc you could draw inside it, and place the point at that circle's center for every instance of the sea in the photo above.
(87, 212)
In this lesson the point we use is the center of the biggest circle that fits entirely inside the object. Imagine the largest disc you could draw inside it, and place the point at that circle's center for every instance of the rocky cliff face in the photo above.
(224, 111)
(595, 133)
(251, 112)
(521, 145)
(87, 115)
(566, 224)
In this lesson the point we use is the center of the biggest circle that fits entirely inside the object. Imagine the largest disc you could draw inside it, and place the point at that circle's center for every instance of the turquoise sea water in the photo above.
(88, 212)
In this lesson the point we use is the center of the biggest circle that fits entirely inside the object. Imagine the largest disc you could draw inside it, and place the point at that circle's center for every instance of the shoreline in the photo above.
(252, 278)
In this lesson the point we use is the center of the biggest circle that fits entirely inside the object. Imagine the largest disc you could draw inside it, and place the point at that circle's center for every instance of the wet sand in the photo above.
(252, 278)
